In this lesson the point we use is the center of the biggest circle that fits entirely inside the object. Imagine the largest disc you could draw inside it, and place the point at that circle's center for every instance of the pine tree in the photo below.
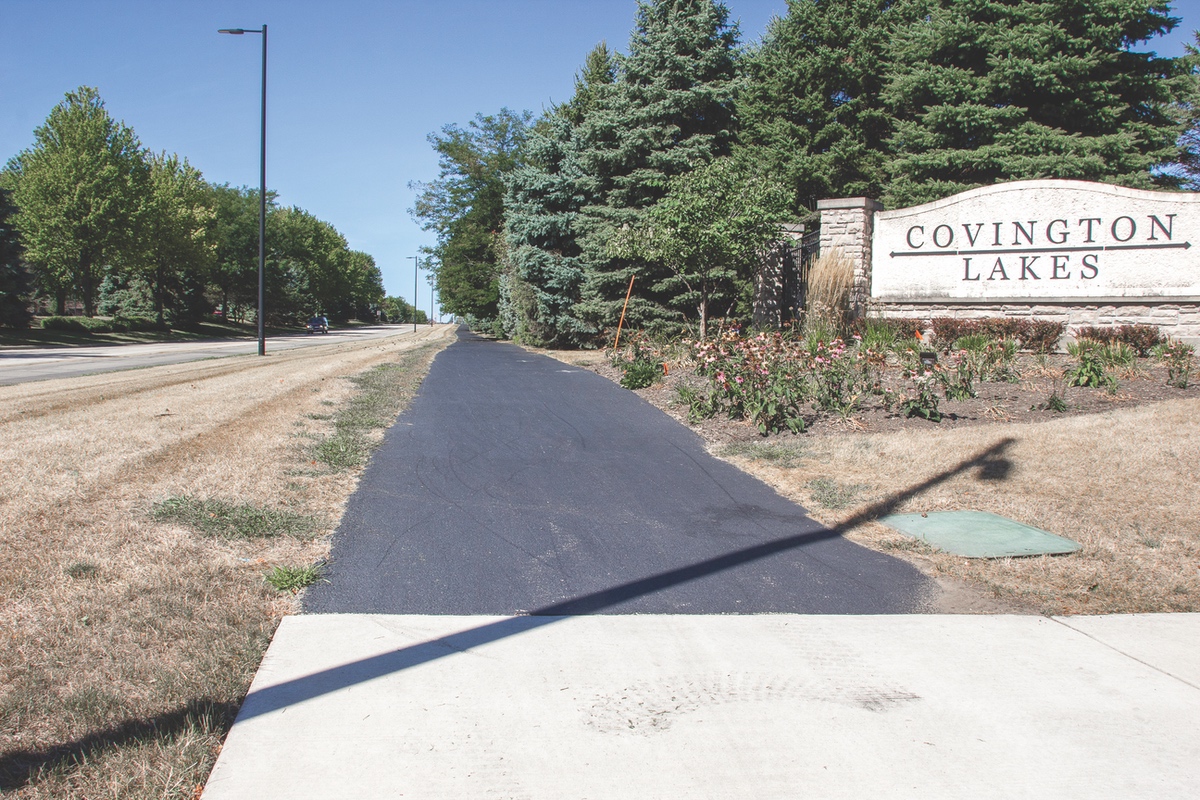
(810, 107)
(670, 110)
(542, 202)
(544, 196)
(995, 90)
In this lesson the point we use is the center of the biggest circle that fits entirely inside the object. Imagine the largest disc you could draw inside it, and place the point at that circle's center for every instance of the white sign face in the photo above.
(1032, 240)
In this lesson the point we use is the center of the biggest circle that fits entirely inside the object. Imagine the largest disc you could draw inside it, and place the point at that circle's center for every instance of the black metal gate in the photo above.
(797, 263)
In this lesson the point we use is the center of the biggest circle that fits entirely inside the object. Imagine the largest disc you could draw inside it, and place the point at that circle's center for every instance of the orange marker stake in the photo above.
(628, 292)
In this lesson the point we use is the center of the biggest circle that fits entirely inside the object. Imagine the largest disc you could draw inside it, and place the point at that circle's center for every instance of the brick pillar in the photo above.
(846, 225)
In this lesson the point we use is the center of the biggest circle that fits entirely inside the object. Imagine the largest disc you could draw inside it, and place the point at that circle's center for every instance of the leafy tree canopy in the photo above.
(14, 280)
(78, 191)
(464, 206)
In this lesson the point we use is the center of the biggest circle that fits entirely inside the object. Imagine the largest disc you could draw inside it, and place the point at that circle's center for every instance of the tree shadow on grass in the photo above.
(19, 768)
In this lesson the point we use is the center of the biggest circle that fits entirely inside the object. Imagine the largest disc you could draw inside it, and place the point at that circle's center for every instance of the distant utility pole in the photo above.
(416, 270)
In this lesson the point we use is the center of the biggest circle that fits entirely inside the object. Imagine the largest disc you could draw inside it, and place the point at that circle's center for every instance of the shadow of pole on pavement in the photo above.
(19, 768)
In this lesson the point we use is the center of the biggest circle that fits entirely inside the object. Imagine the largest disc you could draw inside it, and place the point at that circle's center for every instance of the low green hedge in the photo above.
(96, 325)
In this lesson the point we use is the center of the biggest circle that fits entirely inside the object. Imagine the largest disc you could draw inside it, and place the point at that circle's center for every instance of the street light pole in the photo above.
(262, 189)
(416, 271)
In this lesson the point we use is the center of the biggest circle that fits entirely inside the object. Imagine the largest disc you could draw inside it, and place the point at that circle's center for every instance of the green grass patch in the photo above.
(293, 579)
(234, 521)
(382, 393)
(830, 494)
(780, 455)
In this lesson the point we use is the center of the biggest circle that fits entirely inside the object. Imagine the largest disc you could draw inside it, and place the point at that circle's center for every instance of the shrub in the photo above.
(1179, 360)
(1004, 327)
(144, 324)
(1091, 333)
(1142, 338)
(77, 324)
(947, 330)
(1042, 336)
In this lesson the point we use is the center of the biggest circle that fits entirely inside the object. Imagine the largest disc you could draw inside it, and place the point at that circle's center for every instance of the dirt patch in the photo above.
(131, 636)
(1115, 471)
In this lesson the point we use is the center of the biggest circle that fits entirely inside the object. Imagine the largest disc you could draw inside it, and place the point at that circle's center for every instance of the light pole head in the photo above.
(234, 31)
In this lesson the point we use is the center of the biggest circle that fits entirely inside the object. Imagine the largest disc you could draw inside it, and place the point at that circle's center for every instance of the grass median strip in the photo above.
(380, 394)
(147, 557)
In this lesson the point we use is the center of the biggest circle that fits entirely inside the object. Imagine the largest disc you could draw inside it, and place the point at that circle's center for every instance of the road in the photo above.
(22, 364)
(516, 484)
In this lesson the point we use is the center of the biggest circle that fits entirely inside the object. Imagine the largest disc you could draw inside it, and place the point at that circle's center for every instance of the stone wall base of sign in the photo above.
(1177, 319)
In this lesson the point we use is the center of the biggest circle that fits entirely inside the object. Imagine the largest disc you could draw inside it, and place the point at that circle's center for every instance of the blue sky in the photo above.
(354, 87)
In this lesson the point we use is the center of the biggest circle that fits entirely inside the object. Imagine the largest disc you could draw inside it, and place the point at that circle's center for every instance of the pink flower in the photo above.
(738, 379)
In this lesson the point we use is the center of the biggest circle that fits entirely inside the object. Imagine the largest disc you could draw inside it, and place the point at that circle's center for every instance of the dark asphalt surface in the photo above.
(515, 484)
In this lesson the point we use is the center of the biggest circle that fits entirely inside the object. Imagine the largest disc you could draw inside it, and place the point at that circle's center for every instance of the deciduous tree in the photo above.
(710, 231)
(14, 280)
(78, 191)
(175, 226)
(464, 206)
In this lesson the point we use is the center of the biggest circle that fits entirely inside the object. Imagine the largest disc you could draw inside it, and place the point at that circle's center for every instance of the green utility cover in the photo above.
(978, 534)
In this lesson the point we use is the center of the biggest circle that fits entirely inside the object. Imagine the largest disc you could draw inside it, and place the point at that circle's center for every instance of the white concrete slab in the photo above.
(1170, 642)
(780, 706)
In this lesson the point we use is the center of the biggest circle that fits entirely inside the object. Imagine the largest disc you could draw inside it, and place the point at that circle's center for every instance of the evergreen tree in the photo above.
(996, 90)
(599, 69)
(464, 206)
(670, 110)
(810, 109)
(78, 191)
(544, 196)
(1187, 168)
(14, 280)
(542, 202)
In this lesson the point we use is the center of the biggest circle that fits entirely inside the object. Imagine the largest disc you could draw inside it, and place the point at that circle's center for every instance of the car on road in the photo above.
(318, 324)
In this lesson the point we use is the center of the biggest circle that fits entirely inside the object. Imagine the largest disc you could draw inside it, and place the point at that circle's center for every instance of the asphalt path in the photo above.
(516, 484)
(23, 364)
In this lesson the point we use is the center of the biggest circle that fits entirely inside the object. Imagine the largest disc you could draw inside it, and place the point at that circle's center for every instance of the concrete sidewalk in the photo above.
(766, 706)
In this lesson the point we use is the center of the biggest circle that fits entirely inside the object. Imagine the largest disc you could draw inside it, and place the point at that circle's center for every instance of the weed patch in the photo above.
(830, 494)
(293, 579)
(381, 393)
(82, 569)
(780, 455)
(233, 521)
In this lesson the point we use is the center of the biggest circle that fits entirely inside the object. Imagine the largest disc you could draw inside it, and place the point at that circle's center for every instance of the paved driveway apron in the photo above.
(518, 484)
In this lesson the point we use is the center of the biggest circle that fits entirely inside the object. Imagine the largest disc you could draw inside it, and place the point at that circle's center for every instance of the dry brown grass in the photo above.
(128, 643)
(828, 294)
(1121, 483)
